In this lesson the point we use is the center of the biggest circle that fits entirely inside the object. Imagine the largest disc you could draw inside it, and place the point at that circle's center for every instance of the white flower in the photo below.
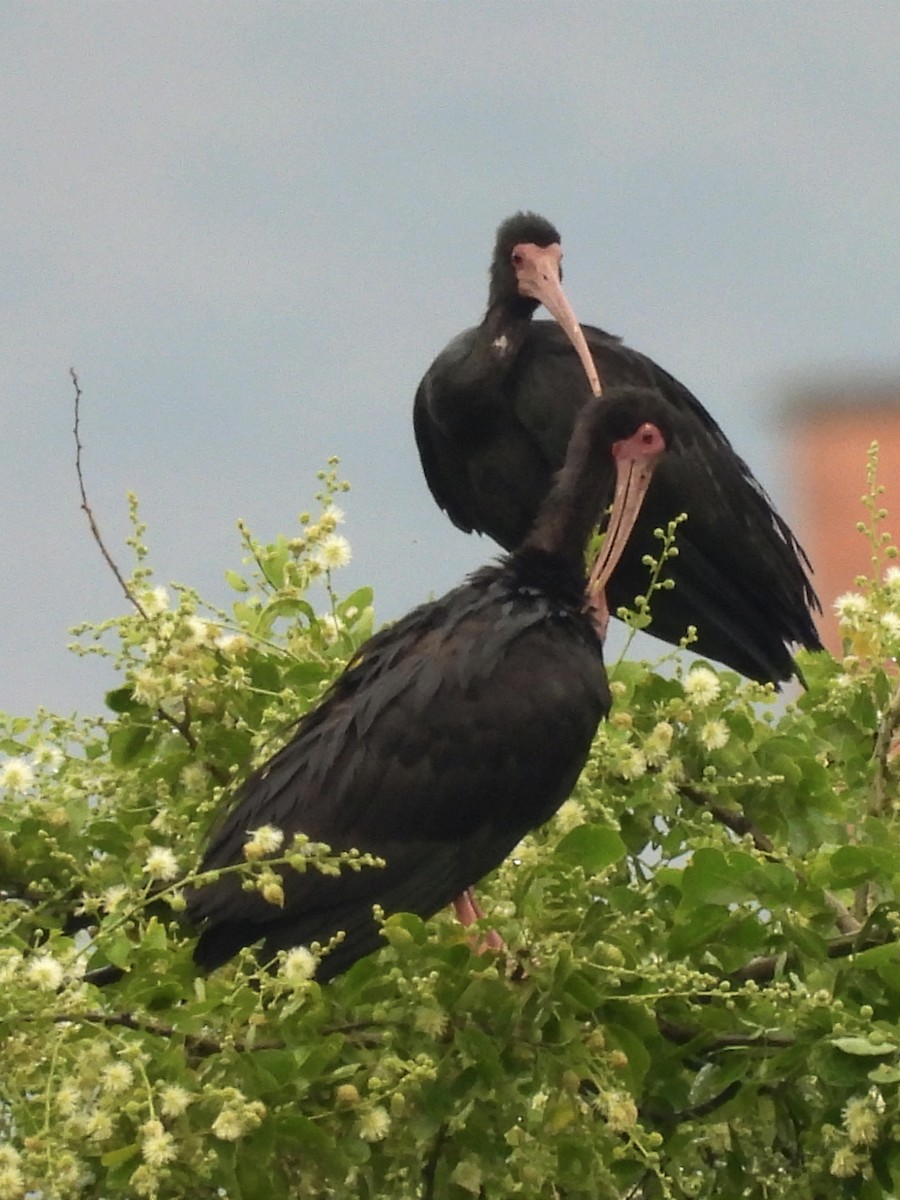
(12, 1182)
(174, 1100)
(68, 1099)
(851, 607)
(861, 1122)
(633, 764)
(113, 896)
(702, 685)
(228, 1125)
(892, 579)
(157, 1146)
(154, 601)
(299, 965)
(118, 1077)
(16, 775)
(331, 517)
(570, 815)
(332, 552)
(621, 1112)
(374, 1125)
(237, 1118)
(193, 777)
(99, 1126)
(714, 735)
(265, 840)
(161, 863)
(330, 627)
(200, 630)
(147, 687)
(656, 746)
(232, 643)
(46, 972)
(890, 623)
(48, 756)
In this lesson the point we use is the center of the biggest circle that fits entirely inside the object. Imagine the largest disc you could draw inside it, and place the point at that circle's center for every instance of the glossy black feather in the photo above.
(492, 420)
(452, 734)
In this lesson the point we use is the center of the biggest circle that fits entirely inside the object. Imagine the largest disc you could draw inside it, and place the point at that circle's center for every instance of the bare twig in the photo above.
(86, 508)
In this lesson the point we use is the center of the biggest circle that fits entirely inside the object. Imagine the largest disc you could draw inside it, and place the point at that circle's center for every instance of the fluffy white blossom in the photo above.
(174, 1100)
(234, 644)
(45, 972)
(892, 579)
(890, 623)
(147, 686)
(701, 686)
(154, 601)
(632, 764)
(332, 552)
(658, 742)
(16, 775)
(374, 1125)
(265, 840)
(861, 1121)
(851, 607)
(48, 756)
(714, 735)
(237, 1118)
(200, 630)
(157, 1146)
(299, 965)
(570, 815)
(161, 864)
(117, 1077)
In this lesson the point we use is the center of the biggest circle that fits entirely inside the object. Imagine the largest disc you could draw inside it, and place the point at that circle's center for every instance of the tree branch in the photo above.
(86, 508)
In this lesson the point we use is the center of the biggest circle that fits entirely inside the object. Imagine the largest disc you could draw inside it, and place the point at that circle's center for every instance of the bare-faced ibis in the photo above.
(451, 734)
(493, 416)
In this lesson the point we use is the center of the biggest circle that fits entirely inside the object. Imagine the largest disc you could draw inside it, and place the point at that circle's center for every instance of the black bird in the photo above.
(493, 416)
(450, 736)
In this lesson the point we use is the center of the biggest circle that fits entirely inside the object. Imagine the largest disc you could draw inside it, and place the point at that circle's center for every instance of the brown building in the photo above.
(831, 429)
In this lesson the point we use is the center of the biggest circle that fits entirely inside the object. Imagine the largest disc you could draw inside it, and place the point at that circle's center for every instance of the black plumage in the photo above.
(493, 416)
(451, 735)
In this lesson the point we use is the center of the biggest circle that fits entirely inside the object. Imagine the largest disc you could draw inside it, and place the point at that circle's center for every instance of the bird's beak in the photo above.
(636, 457)
(538, 275)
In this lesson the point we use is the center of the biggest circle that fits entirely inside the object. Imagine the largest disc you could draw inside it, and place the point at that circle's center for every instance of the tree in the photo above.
(702, 988)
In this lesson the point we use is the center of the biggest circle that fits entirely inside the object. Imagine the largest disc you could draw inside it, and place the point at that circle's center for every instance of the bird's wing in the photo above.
(441, 452)
(426, 754)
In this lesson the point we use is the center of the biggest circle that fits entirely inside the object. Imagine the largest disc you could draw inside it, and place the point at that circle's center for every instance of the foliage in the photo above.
(701, 996)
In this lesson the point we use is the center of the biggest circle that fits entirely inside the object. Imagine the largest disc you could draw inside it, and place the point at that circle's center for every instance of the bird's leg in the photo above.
(468, 910)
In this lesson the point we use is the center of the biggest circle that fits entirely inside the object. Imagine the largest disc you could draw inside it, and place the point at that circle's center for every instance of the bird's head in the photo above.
(527, 253)
(526, 271)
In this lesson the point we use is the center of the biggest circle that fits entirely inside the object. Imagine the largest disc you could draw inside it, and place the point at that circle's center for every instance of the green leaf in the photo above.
(121, 700)
(593, 847)
(122, 1154)
(863, 1046)
(126, 743)
(236, 581)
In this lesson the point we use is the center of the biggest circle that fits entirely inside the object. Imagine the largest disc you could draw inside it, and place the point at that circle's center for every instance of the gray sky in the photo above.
(251, 226)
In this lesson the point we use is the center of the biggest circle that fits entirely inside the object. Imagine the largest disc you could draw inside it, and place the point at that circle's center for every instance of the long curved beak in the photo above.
(538, 274)
(636, 458)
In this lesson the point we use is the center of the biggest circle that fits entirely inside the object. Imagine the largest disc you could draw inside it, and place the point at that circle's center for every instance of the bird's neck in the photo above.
(571, 509)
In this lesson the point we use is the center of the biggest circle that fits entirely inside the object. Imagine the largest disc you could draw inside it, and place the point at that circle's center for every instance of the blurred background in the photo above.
(251, 226)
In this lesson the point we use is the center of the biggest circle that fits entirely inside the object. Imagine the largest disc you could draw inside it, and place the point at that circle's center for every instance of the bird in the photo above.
(492, 418)
(450, 735)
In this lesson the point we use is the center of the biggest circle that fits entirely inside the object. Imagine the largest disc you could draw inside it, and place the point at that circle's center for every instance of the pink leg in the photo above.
(468, 910)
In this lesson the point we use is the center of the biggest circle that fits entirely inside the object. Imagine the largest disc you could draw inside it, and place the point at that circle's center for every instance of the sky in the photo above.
(250, 227)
